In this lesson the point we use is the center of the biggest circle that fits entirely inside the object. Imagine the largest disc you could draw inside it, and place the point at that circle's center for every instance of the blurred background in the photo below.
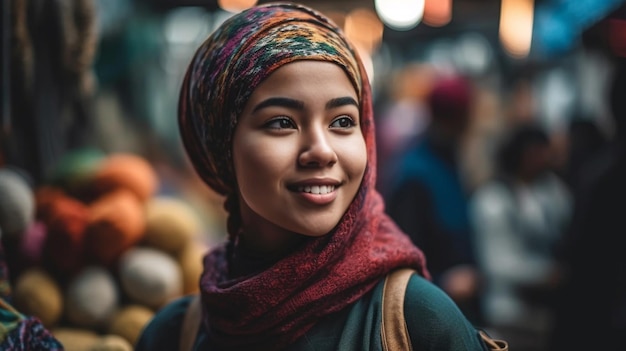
(518, 103)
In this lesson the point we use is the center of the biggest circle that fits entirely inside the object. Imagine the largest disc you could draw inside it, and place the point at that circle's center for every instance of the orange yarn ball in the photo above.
(126, 171)
(116, 222)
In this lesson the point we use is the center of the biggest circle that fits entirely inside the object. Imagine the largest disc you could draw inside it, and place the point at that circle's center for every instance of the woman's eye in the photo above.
(343, 122)
(280, 123)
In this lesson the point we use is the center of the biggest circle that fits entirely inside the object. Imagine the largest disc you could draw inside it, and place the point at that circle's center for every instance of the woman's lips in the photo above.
(318, 194)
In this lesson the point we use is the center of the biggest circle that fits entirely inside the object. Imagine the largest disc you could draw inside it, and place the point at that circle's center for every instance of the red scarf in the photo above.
(270, 310)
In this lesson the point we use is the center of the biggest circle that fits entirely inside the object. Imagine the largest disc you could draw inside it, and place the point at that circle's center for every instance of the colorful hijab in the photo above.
(273, 308)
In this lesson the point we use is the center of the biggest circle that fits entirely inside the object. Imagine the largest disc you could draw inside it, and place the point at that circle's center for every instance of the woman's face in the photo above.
(299, 154)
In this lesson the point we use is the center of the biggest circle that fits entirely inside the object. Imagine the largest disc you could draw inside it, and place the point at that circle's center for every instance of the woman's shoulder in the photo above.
(434, 321)
(163, 330)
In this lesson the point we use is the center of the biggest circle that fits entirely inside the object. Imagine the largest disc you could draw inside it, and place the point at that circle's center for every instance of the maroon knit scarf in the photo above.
(270, 310)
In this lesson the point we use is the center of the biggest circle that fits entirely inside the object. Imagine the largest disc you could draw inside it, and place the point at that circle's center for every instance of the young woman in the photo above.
(275, 113)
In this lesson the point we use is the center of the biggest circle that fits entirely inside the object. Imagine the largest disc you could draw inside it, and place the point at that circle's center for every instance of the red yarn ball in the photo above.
(66, 220)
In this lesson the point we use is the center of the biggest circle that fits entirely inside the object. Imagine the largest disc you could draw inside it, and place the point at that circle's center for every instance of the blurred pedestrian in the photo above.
(518, 218)
(429, 198)
(591, 313)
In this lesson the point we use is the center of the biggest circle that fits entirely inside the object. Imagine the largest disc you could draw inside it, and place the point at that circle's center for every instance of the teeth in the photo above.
(317, 189)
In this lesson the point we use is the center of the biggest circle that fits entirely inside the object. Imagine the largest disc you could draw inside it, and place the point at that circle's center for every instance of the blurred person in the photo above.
(518, 218)
(403, 119)
(275, 113)
(585, 142)
(429, 199)
(591, 310)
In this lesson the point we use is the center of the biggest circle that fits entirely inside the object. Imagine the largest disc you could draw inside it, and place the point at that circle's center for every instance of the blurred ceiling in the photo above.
(558, 23)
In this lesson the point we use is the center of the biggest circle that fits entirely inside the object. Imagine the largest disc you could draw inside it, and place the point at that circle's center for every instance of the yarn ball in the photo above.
(170, 224)
(126, 171)
(37, 294)
(91, 298)
(74, 171)
(74, 339)
(66, 220)
(45, 198)
(117, 221)
(32, 244)
(111, 343)
(190, 260)
(150, 277)
(130, 321)
(17, 203)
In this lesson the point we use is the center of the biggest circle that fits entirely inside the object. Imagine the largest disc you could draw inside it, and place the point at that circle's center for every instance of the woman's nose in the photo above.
(317, 150)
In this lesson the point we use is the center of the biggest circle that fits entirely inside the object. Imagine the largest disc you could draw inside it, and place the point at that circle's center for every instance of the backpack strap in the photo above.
(191, 324)
(493, 344)
(393, 329)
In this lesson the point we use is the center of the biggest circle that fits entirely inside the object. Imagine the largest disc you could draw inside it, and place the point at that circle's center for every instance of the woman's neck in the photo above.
(263, 245)
(254, 253)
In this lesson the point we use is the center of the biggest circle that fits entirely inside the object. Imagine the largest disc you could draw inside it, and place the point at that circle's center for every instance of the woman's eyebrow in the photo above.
(299, 105)
(342, 101)
(280, 101)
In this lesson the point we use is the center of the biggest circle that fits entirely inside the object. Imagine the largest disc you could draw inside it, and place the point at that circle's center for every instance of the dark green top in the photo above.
(433, 320)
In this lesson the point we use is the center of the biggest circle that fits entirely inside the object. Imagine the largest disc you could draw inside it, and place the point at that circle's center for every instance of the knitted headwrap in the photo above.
(273, 308)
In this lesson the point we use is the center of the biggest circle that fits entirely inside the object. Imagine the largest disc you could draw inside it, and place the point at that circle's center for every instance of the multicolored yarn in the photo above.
(271, 309)
(28, 335)
(5, 286)
(19, 332)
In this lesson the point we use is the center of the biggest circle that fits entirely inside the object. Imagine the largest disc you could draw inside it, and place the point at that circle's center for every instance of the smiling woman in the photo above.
(299, 136)
(275, 113)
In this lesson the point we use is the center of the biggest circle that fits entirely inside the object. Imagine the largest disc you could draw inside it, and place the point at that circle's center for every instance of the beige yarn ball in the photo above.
(74, 339)
(37, 294)
(150, 277)
(191, 263)
(112, 343)
(130, 321)
(170, 224)
(91, 298)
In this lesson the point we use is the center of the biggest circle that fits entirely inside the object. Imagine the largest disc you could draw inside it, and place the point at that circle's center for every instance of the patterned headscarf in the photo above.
(271, 309)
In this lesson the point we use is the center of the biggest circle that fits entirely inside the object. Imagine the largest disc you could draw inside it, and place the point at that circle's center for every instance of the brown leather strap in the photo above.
(493, 344)
(394, 332)
(191, 324)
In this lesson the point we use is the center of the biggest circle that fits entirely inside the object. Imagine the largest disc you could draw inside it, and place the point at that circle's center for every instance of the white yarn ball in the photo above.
(17, 203)
(150, 277)
(92, 297)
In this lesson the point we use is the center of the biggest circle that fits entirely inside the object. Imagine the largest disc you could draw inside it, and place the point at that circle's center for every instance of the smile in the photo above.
(317, 189)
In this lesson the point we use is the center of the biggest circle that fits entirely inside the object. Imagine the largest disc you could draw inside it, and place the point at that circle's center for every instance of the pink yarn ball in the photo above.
(33, 242)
